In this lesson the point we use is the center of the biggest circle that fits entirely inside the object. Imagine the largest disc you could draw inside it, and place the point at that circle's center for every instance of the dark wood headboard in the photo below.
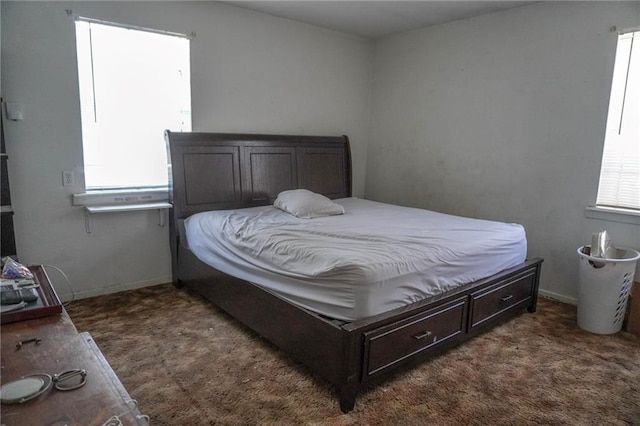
(218, 171)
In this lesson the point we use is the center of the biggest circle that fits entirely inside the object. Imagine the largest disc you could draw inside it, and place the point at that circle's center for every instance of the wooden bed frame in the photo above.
(215, 171)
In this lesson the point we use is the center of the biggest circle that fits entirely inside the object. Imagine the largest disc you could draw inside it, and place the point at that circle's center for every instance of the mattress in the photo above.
(374, 258)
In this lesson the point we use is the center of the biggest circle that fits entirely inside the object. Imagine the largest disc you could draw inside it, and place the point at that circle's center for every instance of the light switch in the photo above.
(14, 111)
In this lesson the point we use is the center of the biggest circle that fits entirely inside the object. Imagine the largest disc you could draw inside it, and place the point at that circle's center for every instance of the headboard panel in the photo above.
(219, 166)
(267, 171)
(323, 170)
(216, 171)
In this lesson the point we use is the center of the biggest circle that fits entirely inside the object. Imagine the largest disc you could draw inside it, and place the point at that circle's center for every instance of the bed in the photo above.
(233, 179)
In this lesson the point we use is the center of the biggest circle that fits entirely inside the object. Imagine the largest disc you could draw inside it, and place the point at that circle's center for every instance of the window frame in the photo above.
(133, 194)
(602, 209)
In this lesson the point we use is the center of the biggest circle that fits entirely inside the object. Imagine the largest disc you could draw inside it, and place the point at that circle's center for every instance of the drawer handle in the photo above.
(504, 299)
(422, 335)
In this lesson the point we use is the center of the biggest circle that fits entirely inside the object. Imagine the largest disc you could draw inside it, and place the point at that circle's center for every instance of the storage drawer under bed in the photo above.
(491, 302)
(391, 344)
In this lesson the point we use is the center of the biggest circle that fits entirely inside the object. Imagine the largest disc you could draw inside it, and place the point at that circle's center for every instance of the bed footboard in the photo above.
(355, 354)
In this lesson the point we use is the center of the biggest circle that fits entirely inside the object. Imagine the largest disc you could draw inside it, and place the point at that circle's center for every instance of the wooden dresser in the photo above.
(61, 348)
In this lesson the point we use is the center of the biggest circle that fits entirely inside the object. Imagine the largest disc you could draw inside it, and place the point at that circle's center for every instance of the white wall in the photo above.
(250, 73)
(502, 117)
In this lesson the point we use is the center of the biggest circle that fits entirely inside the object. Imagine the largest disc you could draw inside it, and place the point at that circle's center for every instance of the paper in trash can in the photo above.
(602, 246)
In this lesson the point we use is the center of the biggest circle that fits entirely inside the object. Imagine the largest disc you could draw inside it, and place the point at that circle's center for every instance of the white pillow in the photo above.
(305, 204)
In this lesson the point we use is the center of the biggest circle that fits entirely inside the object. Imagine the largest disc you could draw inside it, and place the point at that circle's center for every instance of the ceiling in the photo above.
(374, 19)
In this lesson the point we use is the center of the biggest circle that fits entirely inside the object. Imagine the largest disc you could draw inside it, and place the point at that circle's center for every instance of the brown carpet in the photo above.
(188, 363)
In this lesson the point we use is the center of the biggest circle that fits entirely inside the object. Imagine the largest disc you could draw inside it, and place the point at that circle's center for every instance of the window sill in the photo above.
(612, 214)
(128, 207)
(121, 197)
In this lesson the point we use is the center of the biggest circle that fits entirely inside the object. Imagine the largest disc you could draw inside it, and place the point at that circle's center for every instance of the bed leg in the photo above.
(347, 399)
(534, 303)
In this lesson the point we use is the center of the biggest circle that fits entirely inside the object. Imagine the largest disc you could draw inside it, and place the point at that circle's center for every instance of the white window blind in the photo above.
(620, 172)
(134, 84)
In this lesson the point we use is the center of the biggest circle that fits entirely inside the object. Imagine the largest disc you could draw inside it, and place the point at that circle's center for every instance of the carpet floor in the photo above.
(188, 363)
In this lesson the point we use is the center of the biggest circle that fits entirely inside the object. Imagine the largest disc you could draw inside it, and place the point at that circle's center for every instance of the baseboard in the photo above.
(84, 294)
(558, 297)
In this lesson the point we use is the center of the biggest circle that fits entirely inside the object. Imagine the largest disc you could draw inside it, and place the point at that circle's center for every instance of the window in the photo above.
(134, 84)
(619, 185)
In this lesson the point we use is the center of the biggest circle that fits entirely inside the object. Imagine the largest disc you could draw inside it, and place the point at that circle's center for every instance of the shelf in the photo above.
(116, 208)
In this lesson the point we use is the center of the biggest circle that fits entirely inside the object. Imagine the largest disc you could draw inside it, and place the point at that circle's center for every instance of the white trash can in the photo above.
(603, 290)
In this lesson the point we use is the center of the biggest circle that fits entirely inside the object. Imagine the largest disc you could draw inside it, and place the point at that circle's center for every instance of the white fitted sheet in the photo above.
(374, 258)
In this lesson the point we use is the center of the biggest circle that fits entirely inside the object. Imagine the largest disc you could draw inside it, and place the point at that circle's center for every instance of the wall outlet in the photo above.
(67, 178)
